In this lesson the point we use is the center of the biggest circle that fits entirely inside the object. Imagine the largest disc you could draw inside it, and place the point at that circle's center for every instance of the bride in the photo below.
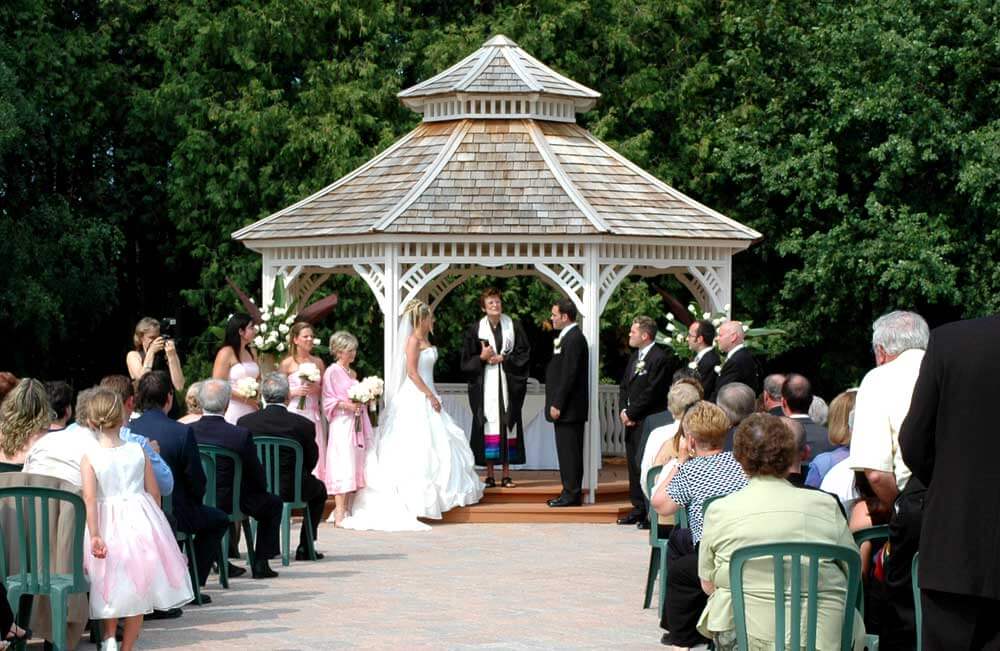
(421, 464)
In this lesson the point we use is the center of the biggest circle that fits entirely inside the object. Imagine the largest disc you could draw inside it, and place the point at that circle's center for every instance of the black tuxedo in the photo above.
(739, 367)
(950, 442)
(706, 372)
(276, 420)
(566, 389)
(179, 450)
(642, 392)
(255, 501)
(817, 436)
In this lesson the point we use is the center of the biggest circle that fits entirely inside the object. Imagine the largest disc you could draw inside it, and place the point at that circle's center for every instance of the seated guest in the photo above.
(25, 416)
(276, 420)
(180, 450)
(796, 398)
(61, 401)
(738, 401)
(770, 510)
(193, 407)
(819, 411)
(703, 470)
(58, 453)
(663, 444)
(771, 395)
(840, 436)
(7, 383)
(795, 475)
(255, 501)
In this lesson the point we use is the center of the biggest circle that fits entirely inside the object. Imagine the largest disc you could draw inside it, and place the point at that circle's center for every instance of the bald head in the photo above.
(796, 394)
(730, 335)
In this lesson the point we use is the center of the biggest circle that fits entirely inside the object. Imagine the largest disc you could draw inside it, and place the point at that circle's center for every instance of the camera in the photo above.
(168, 328)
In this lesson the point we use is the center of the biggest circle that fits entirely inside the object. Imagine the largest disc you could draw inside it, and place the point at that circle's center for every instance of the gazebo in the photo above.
(499, 179)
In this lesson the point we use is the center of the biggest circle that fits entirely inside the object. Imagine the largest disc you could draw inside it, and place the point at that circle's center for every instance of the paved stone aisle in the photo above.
(471, 586)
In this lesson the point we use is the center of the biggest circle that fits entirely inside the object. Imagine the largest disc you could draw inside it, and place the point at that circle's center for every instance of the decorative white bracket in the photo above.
(708, 285)
(567, 278)
(611, 276)
(416, 278)
(374, 275)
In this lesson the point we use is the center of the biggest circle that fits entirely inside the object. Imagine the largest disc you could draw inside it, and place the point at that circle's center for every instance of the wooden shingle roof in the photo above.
(511, 177)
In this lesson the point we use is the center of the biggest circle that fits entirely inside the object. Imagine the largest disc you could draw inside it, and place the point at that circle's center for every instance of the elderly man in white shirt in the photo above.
(898, 341)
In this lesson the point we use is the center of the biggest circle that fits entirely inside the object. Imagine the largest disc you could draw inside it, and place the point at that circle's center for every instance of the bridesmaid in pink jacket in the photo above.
(346, 442)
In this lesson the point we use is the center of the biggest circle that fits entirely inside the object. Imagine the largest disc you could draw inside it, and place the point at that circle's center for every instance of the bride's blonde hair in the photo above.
(416, 311)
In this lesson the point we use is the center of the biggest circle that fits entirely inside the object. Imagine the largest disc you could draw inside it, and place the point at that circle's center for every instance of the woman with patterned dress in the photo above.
(345, 455)
(305, 393)
(236, 361)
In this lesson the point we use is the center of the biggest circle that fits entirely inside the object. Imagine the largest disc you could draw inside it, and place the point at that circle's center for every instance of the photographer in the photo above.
(154, 351)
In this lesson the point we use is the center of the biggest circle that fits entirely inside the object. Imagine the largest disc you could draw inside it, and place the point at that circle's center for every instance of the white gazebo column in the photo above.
(390, 310)
(268, 272)
(592, 331)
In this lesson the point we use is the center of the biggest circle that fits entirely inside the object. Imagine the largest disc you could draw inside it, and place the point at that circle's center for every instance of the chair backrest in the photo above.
(917, 607)
(869, 534)
(796, 552)
(33, 505)
(269, 451)
(214, 453)
(705, 504)
(654, 517)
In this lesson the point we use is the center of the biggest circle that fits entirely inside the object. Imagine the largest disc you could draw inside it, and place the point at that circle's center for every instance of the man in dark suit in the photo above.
(950, 442)
(642, 392)
(255, 501)
(567, 400)
(739, 365)
(771, 395)
(275, 420)
(180, 451)
(701, 336)
(796, 397)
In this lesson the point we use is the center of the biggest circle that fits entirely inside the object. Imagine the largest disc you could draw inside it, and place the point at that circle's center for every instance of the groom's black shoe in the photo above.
(565, 500)
(262, 570)
(632, 517)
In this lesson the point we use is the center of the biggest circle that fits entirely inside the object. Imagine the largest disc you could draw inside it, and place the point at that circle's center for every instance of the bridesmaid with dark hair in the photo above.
(495, 354)
(236, 361)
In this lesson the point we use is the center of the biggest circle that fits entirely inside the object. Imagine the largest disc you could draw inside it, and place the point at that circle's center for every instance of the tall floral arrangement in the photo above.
(676, 332)
(275, 321)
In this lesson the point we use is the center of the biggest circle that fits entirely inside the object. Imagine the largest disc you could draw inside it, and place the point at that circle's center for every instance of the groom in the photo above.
(567, 400)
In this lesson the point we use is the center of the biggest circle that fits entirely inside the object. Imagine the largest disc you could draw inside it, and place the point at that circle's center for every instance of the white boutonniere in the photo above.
(557, 345)
(718, 369)
(640, 367)
(693, 365)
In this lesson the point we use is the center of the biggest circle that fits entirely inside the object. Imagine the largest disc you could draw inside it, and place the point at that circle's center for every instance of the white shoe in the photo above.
(110, 644)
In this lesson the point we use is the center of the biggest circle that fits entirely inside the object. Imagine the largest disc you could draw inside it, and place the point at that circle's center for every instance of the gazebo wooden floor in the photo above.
(527, 502)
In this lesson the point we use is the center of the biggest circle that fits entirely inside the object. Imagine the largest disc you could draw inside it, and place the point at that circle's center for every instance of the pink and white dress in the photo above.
(346, 445)
(311, 411)
(236, 409)
(144, 569)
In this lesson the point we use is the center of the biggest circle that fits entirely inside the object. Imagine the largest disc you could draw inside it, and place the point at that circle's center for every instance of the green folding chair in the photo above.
(269, 451)
(878, 533)
(657, 549)
(214, 453)
(186, 540)
(797, 553)
(917, 609)
(33, 505)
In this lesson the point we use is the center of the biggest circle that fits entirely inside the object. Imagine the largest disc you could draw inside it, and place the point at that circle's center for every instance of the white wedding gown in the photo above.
(420, 465)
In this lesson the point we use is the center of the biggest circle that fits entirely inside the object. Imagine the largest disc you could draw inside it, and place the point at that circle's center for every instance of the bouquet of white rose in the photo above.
(308, 372)
(247, 388)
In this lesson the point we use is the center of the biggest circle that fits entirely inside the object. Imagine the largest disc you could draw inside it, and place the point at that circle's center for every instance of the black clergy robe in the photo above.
(515, 366)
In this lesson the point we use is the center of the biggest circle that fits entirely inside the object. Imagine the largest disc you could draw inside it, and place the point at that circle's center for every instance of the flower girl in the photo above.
(135, 564)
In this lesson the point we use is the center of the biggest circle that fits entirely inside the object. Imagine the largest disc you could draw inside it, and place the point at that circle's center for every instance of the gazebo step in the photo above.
(600, 513)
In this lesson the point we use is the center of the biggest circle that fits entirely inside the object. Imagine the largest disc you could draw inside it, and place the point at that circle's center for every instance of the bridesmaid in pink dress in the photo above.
(300, 344)
(345, 452)
(235, 361)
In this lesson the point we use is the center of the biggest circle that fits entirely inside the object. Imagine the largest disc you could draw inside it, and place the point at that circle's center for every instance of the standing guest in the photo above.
(739, 365)
(134, 565)
(191, 405)
(703, 470)
(126, 392)
(949, 421)
(236, 361)
(738, 401)
(643, 391)
(346, 449)
(840, 438)
(769, 510)
(275, 419)
(495, 354)
(25, 416)
(898, 340)
(179, 449)
(255, 501)
(304, 391)
(772, 394)
(567, 400)
(700, 339)
(153, 351)
(796, 398)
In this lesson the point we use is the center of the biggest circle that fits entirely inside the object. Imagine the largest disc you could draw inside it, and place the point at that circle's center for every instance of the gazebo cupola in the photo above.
(499, 81)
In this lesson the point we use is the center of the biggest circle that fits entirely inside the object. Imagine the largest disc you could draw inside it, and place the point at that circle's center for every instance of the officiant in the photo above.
(495, 354)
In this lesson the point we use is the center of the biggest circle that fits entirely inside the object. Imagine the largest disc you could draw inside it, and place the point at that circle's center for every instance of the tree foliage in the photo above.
(861, 139)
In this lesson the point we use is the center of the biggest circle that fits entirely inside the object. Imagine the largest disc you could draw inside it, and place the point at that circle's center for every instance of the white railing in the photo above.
(612, 430)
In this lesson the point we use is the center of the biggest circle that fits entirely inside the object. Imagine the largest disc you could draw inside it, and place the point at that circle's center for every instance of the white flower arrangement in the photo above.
(675, 335)
(275, 323)
(246, 388)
